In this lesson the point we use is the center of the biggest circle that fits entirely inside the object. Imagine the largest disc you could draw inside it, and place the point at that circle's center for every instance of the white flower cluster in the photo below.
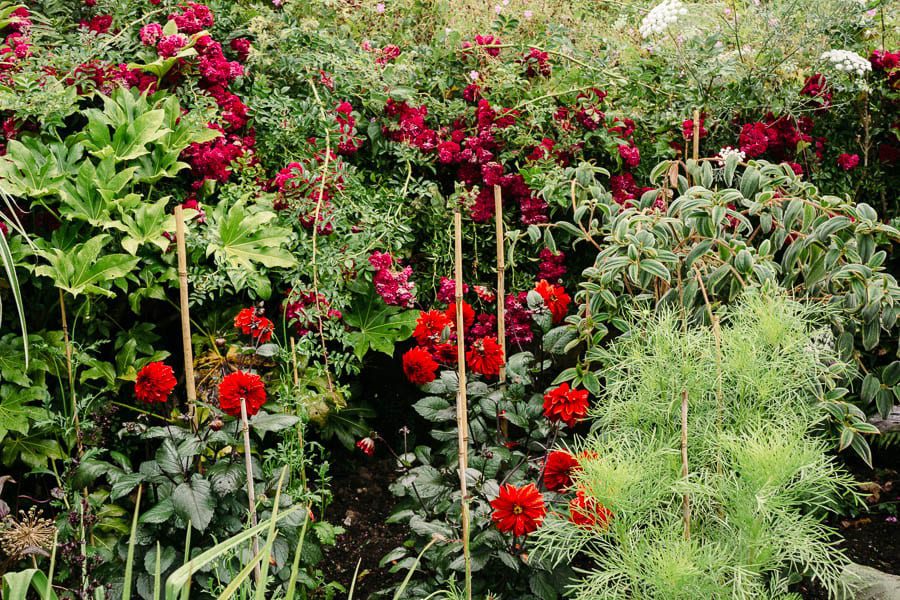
(661, 17)
(727, 151)
(847, 61)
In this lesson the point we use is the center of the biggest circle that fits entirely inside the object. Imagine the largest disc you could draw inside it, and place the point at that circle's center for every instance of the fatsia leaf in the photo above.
(148, 224)
(81, 269)
(378, 325)
(241, 238)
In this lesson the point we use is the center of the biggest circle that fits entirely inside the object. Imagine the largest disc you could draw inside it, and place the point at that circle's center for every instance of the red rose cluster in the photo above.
(302, 310)
(300, 185)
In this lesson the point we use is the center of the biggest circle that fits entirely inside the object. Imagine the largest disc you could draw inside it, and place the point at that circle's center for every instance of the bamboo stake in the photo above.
(300, 427)
(501, 280)
(686, 500)
(696, 139)
(187, 347)
(71, 375)
(462, 419)
(251, 493)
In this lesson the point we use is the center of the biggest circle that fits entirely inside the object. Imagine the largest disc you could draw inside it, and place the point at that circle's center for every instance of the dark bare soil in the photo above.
(871, 538)
(362, 503)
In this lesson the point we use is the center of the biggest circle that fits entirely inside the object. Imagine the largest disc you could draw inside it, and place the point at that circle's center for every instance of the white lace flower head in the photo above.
(848, 61)
(661, 17)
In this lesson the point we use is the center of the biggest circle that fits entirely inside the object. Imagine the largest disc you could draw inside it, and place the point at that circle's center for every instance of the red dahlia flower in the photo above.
(468, 314)
(154, 383)
(256, 326)
(585, 511)
(556, 299)
(486, 356)
(565, 404)
(419, 366)
(430, 327)
(238, 385)
(519, 510)
(558, 470)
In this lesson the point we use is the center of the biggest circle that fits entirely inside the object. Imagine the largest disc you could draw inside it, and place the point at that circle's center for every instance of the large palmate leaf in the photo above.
(31, 169)
(148, 224)
(92, 196)
(81, 269)
(240, 238)
(378, 325)
(125, 127)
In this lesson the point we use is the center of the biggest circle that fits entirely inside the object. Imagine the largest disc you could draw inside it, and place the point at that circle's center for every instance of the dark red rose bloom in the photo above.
(468, 314)
(419, 367)
(565, 404)
(430, 327)
(630, 155)
(519, 510)
(367, 445)
(884, 61)
(241, 47)
(485, 356)
(753, 140)
(239, 385)
(848, 161)
(556, 299)
(98, 24)
(585, 511)
(154, 383)
(558, 470)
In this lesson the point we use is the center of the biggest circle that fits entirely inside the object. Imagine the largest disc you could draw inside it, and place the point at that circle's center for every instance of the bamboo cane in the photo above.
(188, 351)
(461, 401)
(686, 500)
(696, 137)
(251, 493)
(300, 427)
(501, 280)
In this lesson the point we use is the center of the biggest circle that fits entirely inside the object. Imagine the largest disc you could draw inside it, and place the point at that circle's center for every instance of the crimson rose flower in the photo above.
(558, 470)
(556, 299)
(565, 404)
(486, 356)
(419, 367)
(519, 510)
(585, 511)
(154, 383)
(239, 385)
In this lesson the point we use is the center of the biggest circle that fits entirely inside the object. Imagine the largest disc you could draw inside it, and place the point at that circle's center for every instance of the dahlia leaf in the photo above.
(193, 501)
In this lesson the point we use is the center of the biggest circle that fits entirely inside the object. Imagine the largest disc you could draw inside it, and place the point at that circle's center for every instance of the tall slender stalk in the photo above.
(189, 384)
(251, 493)
(70, 370)
(299, 426)
(462, 419)
(685, 499)
(501, 279)
(501, 297)
(696, 137)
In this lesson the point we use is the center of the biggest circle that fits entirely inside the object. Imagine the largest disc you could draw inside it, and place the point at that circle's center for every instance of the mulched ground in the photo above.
(872, 539)
(362, 502)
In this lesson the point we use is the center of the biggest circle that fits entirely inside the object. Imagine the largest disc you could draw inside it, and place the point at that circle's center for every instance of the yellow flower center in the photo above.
(517, 510)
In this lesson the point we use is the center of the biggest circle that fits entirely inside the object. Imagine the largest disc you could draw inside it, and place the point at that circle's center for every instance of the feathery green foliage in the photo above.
(759, 478)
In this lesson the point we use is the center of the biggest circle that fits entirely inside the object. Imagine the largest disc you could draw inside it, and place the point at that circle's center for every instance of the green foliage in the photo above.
(759, 479)
(759, 226)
